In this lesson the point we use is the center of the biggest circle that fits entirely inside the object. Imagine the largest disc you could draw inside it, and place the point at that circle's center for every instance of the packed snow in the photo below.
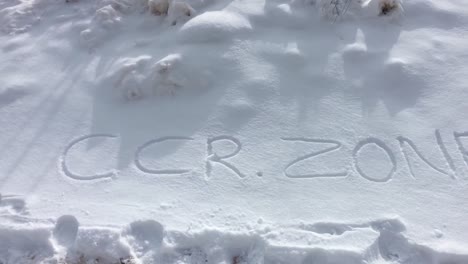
(234, 131)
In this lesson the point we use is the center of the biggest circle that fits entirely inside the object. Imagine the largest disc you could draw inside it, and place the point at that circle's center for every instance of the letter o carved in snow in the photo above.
(379, 143)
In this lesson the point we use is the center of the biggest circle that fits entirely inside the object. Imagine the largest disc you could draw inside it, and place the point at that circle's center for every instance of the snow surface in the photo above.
(234, 131)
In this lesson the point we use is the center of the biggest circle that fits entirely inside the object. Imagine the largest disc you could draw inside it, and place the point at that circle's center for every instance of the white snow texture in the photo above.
(233, 131)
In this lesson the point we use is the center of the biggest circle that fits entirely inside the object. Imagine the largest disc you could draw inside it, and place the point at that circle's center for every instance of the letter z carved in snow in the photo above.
(335, 146)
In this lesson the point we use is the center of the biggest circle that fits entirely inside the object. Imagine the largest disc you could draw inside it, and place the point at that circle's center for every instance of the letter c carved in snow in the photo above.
(141, 167)
(69, 173)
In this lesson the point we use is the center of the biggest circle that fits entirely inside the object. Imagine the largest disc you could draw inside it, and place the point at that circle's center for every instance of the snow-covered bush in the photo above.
(176, 11)
(179, 12)
(166, 77)
(105, 20)
(389, 6)
(129, 6)
(332, 9)
(383, 7)
(158, 7)
(142, 77)
(18, 18)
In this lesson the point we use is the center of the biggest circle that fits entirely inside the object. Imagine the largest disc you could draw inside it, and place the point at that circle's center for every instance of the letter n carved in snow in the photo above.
(461, 147)
(443, 149)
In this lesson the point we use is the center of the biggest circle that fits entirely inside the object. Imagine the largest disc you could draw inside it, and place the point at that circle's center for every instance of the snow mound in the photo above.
(135, 78)
(215, 26)
(105, 21)
(126, 6)
(147, 241)
(12, 93)
(176, 11)
(180, 12)
(18, 18)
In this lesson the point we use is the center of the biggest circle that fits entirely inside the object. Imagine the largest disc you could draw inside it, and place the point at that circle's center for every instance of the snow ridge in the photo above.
(147, 241)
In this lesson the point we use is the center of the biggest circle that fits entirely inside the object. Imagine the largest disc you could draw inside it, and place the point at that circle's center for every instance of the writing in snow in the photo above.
(213, 158)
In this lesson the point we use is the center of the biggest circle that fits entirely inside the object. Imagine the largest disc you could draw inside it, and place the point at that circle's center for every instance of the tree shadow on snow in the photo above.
(179, 113)
(41, 115)
(316, 52)
(374, 75)
(303, 51)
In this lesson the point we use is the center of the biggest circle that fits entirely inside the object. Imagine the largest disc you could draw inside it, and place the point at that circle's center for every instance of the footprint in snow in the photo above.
(66, 230)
